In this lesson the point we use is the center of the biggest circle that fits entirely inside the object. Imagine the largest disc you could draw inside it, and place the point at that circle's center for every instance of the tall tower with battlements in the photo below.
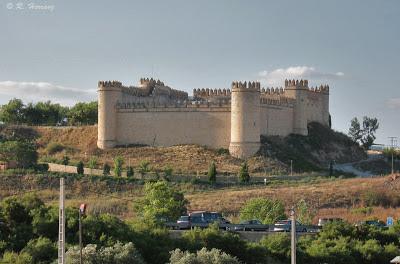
(109, 93)
(245, 119)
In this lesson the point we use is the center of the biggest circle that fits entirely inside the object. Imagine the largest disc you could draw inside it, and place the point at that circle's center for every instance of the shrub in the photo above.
(80, 168)
(278, 245)
(92, 162)
(212, 172)
(118, 162)
(203, 256)
(129, 172)
(244, 173)
(168, 173)
(223, 151)
(117, 253)
(54, 147)
(65, 160)
(12, 257)
(106, 169)
(266, 210)
(144, 168)
(22, 152)
(42, 250)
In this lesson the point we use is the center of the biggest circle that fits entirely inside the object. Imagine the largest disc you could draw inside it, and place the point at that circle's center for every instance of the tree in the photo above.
(212, 172)
(144, 168)
(161, 203)
(304, 213)
(80, 168)
(129, 172)
(364, 135)
(83, 113)
(203, 256)
(106, 169)
(118, 162)
(12, 257)
(370, 125)
(22, 152)
(42, 250)
(355, 131)
(244, 173)
(13, 112)
(266, 210)
(65, 160)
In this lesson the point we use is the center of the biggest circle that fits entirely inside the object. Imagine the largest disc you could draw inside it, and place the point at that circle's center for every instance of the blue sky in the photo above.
(61, 52)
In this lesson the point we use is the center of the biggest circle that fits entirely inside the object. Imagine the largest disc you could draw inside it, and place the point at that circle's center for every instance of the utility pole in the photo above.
(293, 235)
(393, 142)
(61, 225)
(291, 167)
(82, 210)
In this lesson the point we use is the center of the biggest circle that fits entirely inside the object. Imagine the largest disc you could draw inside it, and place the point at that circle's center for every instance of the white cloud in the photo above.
(43, 91)
(277, 77)
(393, 103)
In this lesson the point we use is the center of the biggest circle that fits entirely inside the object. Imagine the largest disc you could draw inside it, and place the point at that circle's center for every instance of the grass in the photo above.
(330, 197)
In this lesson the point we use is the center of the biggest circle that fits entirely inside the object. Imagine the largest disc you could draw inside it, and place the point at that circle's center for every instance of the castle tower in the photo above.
(298, 90)
(245, 119)
(109, 93)
(325, 105)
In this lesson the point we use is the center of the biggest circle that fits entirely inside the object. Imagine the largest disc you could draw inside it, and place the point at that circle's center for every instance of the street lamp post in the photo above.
(82, 211)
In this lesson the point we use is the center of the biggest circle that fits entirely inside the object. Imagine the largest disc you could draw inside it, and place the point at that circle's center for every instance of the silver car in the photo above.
(286, 226)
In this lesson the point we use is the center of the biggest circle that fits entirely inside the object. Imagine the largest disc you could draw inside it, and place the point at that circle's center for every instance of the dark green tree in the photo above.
(22, 152)
(118, 162)
(80, 168)
(212, 173)
(83, 113)
(244, 175)
(129, 172)
(13, 112)
(106, 169)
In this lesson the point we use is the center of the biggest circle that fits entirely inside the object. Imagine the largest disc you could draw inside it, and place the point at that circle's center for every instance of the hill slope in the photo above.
(315, 151)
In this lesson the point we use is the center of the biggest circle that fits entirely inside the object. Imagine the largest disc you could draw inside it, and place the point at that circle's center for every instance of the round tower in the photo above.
(109, 93)
(245, 119)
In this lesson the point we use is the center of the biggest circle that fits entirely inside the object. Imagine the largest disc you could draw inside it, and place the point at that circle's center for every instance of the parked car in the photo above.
(183, 222)
(251, 225)
(376, 223)
(286, 226)
(324, 221)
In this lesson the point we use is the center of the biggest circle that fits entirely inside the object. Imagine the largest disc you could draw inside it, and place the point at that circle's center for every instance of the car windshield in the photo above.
(184, 218)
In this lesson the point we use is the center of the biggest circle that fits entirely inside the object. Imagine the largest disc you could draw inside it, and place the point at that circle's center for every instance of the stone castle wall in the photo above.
(157, 115)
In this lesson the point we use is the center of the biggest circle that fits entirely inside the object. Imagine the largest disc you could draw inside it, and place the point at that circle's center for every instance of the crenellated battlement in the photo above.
(109, 84)
(206, 93)
(150, 82)
(246, 85)
(272, 90)
(298, 84)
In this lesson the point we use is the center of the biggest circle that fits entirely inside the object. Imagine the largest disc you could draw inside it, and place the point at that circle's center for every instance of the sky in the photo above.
(59, 49)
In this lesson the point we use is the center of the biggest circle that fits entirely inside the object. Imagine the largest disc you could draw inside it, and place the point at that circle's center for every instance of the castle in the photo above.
(153, 113)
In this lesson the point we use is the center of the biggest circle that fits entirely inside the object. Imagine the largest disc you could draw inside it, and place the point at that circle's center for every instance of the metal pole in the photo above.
(80, 237)
(392, 144)
(61, 225)
(291, 167)
(293, 236)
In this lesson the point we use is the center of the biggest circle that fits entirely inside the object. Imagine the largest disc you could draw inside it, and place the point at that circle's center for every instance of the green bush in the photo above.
(278, 245)
(129, 172)
(223, 151)
(203, 256)
(80, 168)
(117, 253)
(244, 175)
(106, 169)
(118, 162)
(266, 210)
(212, 172)
(54, 147)
(42, 250)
